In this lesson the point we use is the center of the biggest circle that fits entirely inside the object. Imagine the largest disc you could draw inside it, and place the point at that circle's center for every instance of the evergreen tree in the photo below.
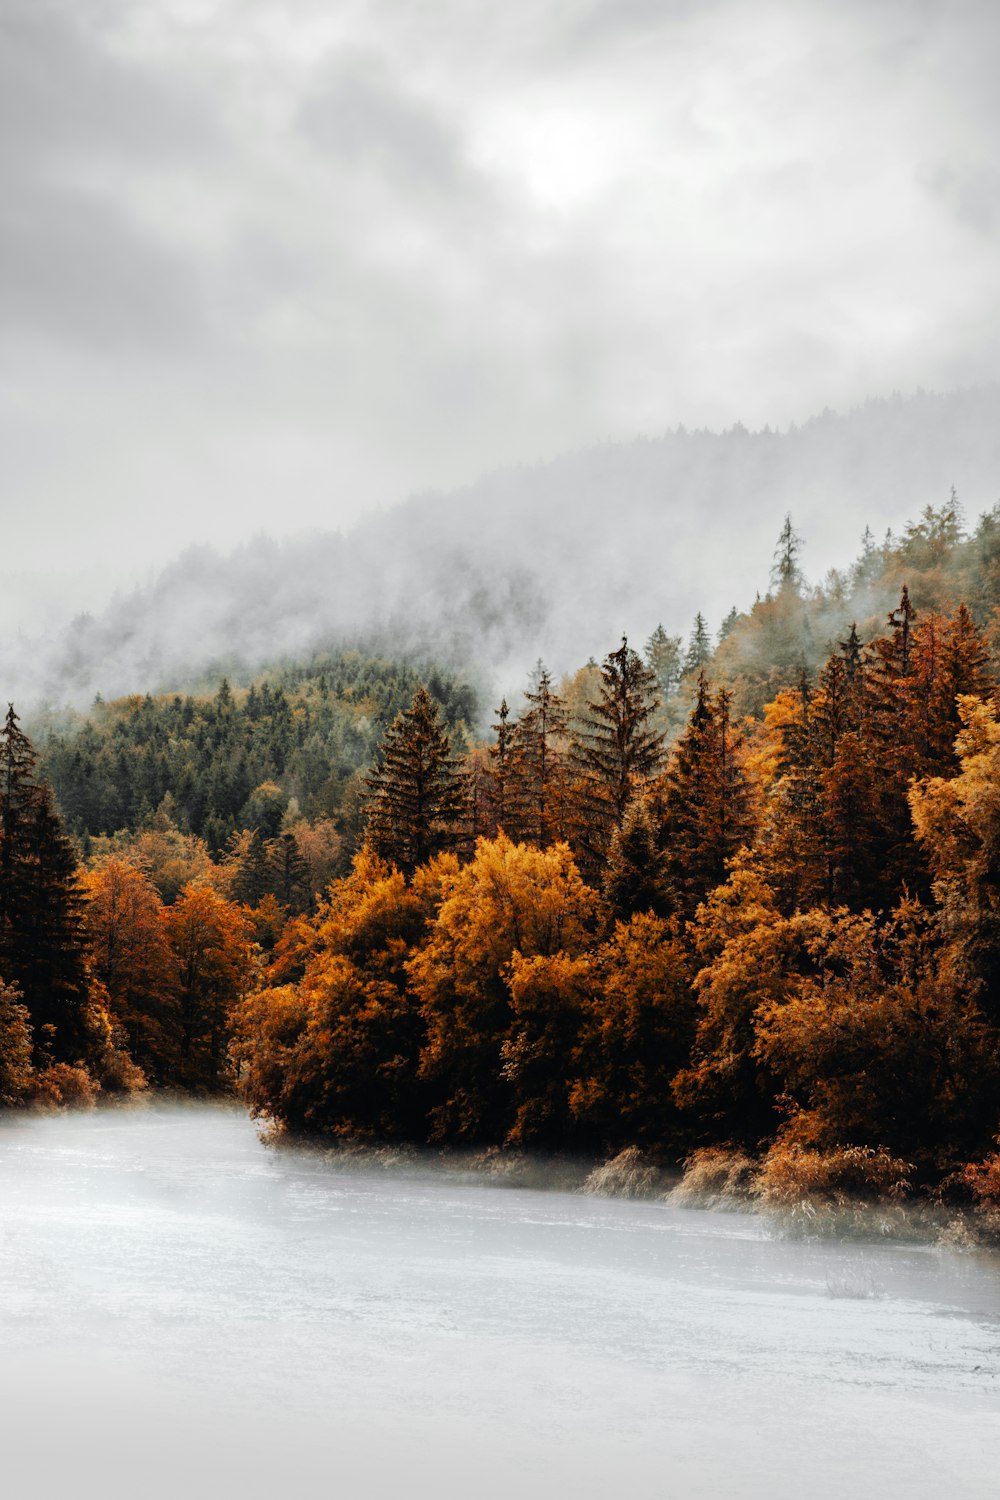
(634, 874)
(785, 573)
(703, 802)
(619, 753)
(663, 658)
(289, 880)
(537, 785)
(414, 791)
(500, 764)
(728, 625)
(42, 944)
(699, 649)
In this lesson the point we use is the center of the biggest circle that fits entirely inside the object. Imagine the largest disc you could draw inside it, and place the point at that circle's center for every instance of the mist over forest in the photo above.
(556, 559)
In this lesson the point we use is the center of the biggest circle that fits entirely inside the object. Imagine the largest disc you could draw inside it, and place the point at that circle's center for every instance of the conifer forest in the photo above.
(728, 898)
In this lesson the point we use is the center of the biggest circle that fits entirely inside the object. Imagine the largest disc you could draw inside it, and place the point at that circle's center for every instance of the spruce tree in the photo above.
(699, 649)
(288, 873)
(703, 802)
(785, 573)
(634, 871)
(500, 764)
(414, 790)
(619, 753)
(537, 782)
(42, 943)
(663, 658)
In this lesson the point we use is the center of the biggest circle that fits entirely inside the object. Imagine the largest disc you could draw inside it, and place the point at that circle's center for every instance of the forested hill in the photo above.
(561, 557)
(290, 746)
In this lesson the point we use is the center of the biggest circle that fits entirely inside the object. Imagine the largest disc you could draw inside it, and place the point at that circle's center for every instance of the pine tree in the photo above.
(42, 944)
(728, 625)
(618, 753)
(703, 802)
(537, 785)
(785, 573)
(634, 874)
(500, 763)
(289, 873)
(414, 791)
(699, 649)
(663, 658)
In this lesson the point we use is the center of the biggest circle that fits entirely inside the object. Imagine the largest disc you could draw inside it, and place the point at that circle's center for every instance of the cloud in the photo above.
(270, 266)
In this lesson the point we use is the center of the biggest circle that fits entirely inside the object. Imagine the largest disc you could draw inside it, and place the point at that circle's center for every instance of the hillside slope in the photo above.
(556, 559)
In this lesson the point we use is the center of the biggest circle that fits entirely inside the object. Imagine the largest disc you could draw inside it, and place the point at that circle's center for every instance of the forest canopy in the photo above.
(739, 892)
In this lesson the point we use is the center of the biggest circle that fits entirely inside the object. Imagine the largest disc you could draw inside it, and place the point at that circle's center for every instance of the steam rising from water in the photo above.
(183, 1311)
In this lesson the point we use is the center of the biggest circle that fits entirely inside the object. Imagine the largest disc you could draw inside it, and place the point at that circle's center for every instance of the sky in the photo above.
(269, 266)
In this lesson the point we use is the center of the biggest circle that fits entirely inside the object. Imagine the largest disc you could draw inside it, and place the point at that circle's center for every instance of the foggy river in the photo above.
(185, 1311)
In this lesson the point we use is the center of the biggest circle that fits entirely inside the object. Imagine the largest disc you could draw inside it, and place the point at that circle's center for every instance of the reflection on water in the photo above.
(186, 1311)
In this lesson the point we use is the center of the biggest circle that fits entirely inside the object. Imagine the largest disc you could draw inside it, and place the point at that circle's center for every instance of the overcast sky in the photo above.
(265, 264)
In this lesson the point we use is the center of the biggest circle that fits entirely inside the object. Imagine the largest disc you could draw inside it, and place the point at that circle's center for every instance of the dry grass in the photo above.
(628, 1175)
(716, 1177)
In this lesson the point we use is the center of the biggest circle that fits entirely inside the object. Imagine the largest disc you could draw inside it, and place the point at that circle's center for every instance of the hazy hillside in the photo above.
(555, 559)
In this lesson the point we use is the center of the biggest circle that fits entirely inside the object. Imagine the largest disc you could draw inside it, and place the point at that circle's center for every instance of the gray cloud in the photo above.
(268, 267)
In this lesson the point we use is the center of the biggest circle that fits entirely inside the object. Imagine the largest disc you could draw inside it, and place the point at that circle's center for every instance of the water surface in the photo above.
(186, 1311)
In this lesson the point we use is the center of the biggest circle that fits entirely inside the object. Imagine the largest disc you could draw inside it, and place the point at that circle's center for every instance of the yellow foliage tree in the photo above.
(509, 899)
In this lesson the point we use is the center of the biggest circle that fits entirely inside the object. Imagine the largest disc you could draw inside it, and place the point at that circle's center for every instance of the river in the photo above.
(186, 1311)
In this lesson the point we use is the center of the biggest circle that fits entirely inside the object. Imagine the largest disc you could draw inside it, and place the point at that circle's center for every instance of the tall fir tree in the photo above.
(664, 660)
(537, 783)
(618, 752)
(500, 764)
(42, 942)
(699, 648)
(414, 791)
(786, 576)
(703, 802)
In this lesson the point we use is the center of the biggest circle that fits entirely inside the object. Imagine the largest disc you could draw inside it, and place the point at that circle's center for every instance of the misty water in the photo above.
(187, 1311)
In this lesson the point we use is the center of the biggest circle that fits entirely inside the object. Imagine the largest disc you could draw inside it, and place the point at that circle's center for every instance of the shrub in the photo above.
(797, 1178)
(983, 1179)
(63, 1086)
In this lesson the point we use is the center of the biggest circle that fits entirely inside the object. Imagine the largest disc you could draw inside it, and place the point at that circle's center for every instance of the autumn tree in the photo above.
(15, 1047)
(210, 941)
(751, 956)
(509, 899)
(132, 958)
(637, 1033)
(874, 1047)
(337, 1049)
(414, 796)
(957, 823)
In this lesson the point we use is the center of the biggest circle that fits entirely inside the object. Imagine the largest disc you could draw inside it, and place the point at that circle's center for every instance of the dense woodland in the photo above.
(738, 891)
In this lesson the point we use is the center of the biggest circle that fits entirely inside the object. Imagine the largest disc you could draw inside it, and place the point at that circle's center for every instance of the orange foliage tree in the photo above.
(210, 939)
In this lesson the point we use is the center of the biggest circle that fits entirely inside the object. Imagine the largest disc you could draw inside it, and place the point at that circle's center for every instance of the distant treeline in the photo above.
(703, 897)
(215, 765)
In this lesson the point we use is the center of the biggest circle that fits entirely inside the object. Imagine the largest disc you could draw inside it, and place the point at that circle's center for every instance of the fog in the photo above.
(185, 1311)
(553, 560)
(270, 267)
